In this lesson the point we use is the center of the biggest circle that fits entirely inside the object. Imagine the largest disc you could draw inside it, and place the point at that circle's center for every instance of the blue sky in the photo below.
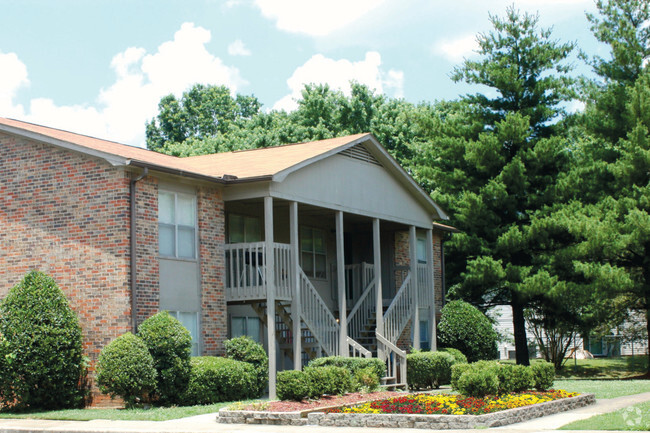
(100, 67)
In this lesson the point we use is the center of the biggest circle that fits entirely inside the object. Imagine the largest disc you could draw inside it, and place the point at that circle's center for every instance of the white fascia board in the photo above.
(112, 159)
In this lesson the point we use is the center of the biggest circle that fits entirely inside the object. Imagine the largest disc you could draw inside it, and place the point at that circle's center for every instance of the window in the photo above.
(421, 249)
(313, 258)
(190, 320)
(242, 325)
(243, 229)
(176, 225)
(424, 334)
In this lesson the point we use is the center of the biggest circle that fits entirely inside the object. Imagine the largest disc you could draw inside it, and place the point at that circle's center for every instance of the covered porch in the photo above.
(282, 261)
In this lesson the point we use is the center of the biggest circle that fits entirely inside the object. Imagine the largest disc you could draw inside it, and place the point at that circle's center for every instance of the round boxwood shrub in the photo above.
(478, 383)
(126, 369)
(293, 385)
(215, 379)
(170, 345)
(426, 370)
(456, 371)
(41, 347)
(328, 380)
(514, 378)
(543, 375)
(463, 327)
(459, 358)
(245, 349)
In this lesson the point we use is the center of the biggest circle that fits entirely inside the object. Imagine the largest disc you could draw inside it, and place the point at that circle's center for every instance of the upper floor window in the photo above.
(243, 229)
(313, 255)
(176, 225)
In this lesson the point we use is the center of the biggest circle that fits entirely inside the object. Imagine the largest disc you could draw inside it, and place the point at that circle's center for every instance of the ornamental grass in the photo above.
(449, 404)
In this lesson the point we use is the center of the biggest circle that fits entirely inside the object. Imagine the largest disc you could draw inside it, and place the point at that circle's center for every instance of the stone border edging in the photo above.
(496, 419)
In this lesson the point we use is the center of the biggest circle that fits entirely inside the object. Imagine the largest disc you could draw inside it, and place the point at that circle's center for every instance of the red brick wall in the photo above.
(68, 215)
(211, 252)
(437, 271)
(147, 277)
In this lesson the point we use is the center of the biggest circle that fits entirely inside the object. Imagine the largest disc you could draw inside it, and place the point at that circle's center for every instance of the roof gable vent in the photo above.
(359, 152)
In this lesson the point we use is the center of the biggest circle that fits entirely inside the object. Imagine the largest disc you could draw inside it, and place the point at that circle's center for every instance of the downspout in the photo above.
(134, 306)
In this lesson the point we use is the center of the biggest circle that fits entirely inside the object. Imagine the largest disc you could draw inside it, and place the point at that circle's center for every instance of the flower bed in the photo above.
(509, 411)
(446, 404)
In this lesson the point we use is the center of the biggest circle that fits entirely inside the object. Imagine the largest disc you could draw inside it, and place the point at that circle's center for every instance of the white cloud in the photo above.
(338, 74)
(315, 17)
(237, 48)
(121, 110)
(14, 77)
(455, 50)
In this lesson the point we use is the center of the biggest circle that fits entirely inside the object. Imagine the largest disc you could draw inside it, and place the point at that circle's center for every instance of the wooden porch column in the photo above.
(295, 281)
(379, 307)
(270, 292)
(340, 281)
(415, 322)
(432, 307)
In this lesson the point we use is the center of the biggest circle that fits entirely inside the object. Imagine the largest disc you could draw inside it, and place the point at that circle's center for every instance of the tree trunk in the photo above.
(519, 325)
(647, 325)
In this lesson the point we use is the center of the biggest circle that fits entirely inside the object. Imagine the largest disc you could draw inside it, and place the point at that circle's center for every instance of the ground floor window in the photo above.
(425, 343)
(244, 325)
(190, 320)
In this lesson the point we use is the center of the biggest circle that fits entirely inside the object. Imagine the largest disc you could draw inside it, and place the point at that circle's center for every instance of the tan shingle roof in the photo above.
(242, 164)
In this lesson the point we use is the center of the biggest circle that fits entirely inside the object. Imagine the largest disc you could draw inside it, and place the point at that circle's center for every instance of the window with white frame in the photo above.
(313, 257)
(244, 325)
(243, 228)
(190, 320)
(176, 225)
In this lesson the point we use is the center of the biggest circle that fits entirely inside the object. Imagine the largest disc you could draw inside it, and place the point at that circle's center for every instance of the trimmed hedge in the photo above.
(245, 349)
(543, 375)
(328, 380)
(215, 379)
(293, 385)
(365, 379)
(489, 377)
(459, 358)
(463, 327)
(352, 364)
(170, 345)
(426, 370)
(126, 369)
(41, 347)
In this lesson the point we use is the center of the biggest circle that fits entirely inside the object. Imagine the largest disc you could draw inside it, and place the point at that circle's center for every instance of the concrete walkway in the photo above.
(207, 423)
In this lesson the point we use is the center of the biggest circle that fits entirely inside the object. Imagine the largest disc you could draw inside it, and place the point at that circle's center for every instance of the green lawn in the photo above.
(604, 388)
(635, 417)
(604, 368)
(153, 414)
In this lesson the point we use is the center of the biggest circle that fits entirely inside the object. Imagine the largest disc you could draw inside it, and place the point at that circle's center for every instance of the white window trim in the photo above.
(176, 225)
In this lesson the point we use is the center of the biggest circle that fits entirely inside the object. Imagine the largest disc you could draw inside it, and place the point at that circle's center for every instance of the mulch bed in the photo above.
(326, 401)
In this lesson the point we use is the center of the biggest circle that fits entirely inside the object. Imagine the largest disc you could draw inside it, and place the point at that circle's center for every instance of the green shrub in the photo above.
(126, 369)
(459, 358)
(293, 385)
(215, 379)
(365, 379)
(426, 370)
(352, 364)
(247, 350)
(514, 378)
(328, 380)
(477, 382)
(170, 345)
(543, 375)
(43, 362)
(456, 371)
(463, 327)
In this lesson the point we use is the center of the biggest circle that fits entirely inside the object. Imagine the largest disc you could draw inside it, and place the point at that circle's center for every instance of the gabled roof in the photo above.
(270, 164)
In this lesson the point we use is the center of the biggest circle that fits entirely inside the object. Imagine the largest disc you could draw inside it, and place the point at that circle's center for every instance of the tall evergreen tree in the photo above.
(507, 173)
